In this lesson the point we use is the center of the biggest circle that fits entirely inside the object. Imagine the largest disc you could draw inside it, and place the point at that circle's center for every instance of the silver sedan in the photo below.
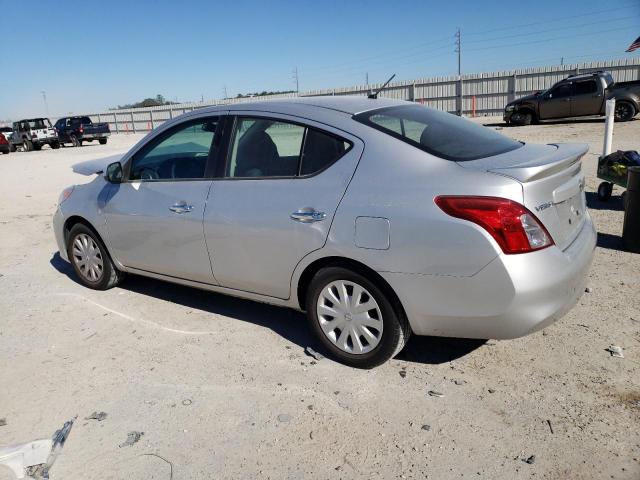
(378, 218)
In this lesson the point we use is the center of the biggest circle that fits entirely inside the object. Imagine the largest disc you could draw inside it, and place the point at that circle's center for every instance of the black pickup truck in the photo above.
(577, 96)
(76, 130)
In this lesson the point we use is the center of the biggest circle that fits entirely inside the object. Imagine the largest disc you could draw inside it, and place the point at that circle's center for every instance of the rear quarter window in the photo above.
(439, 133)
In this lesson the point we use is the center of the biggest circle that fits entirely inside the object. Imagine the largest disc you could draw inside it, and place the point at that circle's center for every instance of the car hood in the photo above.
(98, 165)
(533, 96)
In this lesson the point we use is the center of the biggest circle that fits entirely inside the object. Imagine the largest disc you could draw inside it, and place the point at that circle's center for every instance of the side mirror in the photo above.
(114, 173)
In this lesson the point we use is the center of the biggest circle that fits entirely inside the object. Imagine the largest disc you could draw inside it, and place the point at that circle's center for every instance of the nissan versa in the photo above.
(378, 218)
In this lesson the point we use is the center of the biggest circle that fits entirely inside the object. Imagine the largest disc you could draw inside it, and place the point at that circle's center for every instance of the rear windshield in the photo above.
(81, 120)
(439, 133)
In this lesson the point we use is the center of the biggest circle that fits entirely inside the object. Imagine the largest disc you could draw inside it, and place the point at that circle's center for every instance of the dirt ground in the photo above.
(222, 387)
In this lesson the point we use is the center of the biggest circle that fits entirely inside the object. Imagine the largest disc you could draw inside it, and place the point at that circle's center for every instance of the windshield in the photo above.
(439, 133)
(39, 123)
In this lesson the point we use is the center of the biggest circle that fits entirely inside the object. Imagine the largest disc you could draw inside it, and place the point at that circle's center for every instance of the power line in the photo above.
(556, 19)
(537, 32)
(439, 43)
(548, 39)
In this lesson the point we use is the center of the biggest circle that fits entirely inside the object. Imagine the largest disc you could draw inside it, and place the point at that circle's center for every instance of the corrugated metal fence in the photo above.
(487, 92)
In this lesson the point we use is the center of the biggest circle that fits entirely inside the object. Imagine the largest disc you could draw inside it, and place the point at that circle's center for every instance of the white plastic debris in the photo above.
(615, 351)
(34, 459)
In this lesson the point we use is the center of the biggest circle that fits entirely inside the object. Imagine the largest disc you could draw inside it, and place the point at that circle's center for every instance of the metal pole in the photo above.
(608, 127)
(133, 123)
(46, 105)
(115, 122)
(459, 52)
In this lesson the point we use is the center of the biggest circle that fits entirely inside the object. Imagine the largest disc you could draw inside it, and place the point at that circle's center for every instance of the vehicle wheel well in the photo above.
(527, 110)
(74, 220)
(361, 268)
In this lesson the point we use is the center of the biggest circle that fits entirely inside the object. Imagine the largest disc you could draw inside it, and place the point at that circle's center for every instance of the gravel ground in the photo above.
(222, 387)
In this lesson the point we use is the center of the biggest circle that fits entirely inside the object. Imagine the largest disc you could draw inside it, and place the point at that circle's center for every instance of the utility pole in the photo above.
(561, 60)
(46, 105)
(458, 50)
(224, 89)
(295, 78)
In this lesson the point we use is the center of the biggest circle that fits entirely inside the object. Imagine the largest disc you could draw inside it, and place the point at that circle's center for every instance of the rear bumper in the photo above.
(512, 296)
(94, 136)
(45, 141)
(4, 147)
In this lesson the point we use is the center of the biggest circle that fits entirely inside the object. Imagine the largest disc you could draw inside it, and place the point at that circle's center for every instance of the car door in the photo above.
(587, 98)
(275, 201)
(556, 103)
(154, 217)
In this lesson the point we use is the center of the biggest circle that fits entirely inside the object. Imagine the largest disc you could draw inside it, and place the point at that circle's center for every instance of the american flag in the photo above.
(634, 45)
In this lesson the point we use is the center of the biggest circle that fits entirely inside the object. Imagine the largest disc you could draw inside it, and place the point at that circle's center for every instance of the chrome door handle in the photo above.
(181, 207)
(308, 215)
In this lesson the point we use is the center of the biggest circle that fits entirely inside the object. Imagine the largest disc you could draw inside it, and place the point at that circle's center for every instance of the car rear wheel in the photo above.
(103, 141)
(12, 147)
(354, 319)
(27, 146)
(37, 148)
(90, 259)
(76, 141)
(55, 145)
(624, 112)
(605, 189)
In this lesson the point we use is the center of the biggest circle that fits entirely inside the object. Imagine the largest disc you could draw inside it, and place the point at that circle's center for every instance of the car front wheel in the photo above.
(90, 259)
(354, 318)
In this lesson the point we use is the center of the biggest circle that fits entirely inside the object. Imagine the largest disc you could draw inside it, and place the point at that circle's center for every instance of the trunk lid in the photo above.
(552, 184)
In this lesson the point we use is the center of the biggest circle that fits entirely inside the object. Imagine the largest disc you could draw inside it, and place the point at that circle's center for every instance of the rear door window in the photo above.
(270, 148)
(439, 133)
(586, 88)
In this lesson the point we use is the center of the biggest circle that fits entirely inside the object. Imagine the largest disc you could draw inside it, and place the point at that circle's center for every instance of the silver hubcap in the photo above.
(87, 257)
(350, 317)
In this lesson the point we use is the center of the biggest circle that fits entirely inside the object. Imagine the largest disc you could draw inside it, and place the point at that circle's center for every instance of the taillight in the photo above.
(515, 228)
(81, 130)
(3, 140)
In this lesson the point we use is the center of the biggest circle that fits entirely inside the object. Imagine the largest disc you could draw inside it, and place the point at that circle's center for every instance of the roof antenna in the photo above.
(374, 95)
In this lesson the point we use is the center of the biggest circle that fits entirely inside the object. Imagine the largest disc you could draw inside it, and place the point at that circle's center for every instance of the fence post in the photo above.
(151, 119)
(99, 119)
(115, 121)
(511, 88)
(412, 92)
(170, 113)
(133, 123)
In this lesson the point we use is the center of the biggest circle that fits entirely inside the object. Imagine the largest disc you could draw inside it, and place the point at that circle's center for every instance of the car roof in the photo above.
(349, 104)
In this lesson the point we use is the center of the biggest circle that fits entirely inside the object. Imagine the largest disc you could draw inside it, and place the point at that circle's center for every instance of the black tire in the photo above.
(55, 145)
(103, 141)
(605, 189)
(110, 275)
(521, 118)
(12, 147)
(624, 112)
(395, 328)
(5, 152)
(76, 141)
(27, 146)
(37, 148)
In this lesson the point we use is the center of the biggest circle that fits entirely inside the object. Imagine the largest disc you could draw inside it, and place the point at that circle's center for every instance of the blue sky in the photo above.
(89, 56)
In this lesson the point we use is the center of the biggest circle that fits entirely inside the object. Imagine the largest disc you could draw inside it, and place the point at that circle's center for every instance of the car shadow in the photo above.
(594, 203)
(610, 242)
(289, 324)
